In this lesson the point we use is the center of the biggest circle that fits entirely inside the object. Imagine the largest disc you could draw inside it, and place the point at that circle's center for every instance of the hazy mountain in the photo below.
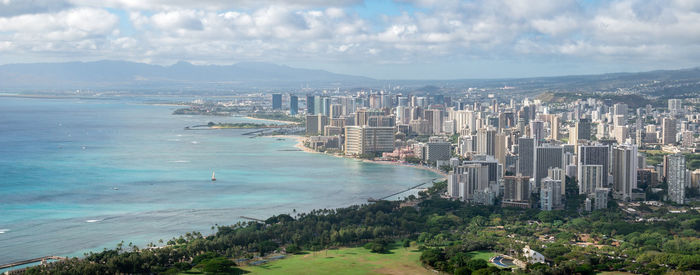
(182, 75)
(185, 77)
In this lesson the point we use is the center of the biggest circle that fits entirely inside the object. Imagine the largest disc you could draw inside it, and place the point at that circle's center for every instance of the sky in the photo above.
(384, 39)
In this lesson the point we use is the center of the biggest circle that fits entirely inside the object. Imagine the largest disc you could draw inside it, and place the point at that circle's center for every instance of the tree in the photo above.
(476, 264)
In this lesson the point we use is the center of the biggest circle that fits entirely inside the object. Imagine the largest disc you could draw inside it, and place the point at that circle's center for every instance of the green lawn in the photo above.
(356, 260)
(484, 255)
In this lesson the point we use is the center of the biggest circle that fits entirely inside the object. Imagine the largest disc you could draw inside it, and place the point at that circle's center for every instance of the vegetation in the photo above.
(449, 234)
(354, 260)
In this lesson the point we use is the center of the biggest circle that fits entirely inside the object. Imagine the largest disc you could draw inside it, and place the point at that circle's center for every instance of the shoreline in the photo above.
(300, 145)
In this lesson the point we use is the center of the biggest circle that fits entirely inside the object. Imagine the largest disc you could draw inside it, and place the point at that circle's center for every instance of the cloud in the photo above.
(9, 8)
(174, 20)
(315, 31)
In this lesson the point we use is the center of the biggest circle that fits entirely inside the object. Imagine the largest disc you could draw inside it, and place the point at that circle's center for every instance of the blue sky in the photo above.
(387, 39)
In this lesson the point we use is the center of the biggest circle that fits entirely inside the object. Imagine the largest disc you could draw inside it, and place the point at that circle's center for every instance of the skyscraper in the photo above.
(293, 105)
(310, 104)
(315, 124)
(675, 106)
(550, 194)
(668, 128)
(590, 177)
(595, 155)
(555, 127)
(583, 128)
(624, 164)
(526, 156)
(537, 130)
(546, 157)
(276, 101)
(486, 141)
(469, 178)
(516, 191)
(676, 178)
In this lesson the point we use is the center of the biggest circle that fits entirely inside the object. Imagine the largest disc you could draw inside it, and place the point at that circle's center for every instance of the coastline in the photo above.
(300, 145)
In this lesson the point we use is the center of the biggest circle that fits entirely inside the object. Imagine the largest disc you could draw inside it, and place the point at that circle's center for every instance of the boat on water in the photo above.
(213, 177)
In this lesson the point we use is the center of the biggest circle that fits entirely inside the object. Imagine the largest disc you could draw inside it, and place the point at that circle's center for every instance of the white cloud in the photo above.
(212, 31)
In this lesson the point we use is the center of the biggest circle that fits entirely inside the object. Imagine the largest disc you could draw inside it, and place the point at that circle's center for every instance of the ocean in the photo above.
(80, 175)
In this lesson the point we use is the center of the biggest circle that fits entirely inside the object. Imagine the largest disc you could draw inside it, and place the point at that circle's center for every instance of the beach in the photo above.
(300, 145)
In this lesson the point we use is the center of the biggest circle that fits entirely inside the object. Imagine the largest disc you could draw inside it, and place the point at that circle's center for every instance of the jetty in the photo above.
(402, 191)
(252, 219)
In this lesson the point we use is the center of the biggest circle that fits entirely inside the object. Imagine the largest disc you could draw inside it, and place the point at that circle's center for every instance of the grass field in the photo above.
(356, 260)
(484, 255)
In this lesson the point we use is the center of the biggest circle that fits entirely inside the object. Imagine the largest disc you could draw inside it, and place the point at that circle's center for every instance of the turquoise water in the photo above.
(61, 160)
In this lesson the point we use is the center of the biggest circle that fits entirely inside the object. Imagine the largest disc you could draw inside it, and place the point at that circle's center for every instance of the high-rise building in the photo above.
(501, 147)
(547, 157)
(675, 106)
(466, 179)
(526, 156)
(276, 101)
(362, 116)
(486, 141)
(583, 128)
(624, 164)
(434, 117)
(555, 127)
(676, 178)
(437, 150)
(487, 161)
(326, 106)
(595, 155)
(550, 194)
(620, 109)
(537, 130)
(318, 104)
(516, 191)
(336, 110)
(668, 128)
(293, 105)
(621, 133)
(601, 198)
(310, 104)
(687, 139)
(590, 177)
(368, 140)
(315, 124)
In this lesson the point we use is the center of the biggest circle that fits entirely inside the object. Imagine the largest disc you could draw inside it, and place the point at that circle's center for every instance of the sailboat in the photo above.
(213, 178)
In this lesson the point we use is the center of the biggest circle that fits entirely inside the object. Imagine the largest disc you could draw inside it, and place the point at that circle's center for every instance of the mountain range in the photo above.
(258, 76)
(182, 75)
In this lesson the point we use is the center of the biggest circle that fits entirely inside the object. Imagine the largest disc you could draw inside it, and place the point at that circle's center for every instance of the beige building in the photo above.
(364, 139)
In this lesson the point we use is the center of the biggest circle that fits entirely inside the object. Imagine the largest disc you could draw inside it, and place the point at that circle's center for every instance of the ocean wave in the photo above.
(174, 139)
(195, 142)
(92, 221)
(4, 230)
(179, 161)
